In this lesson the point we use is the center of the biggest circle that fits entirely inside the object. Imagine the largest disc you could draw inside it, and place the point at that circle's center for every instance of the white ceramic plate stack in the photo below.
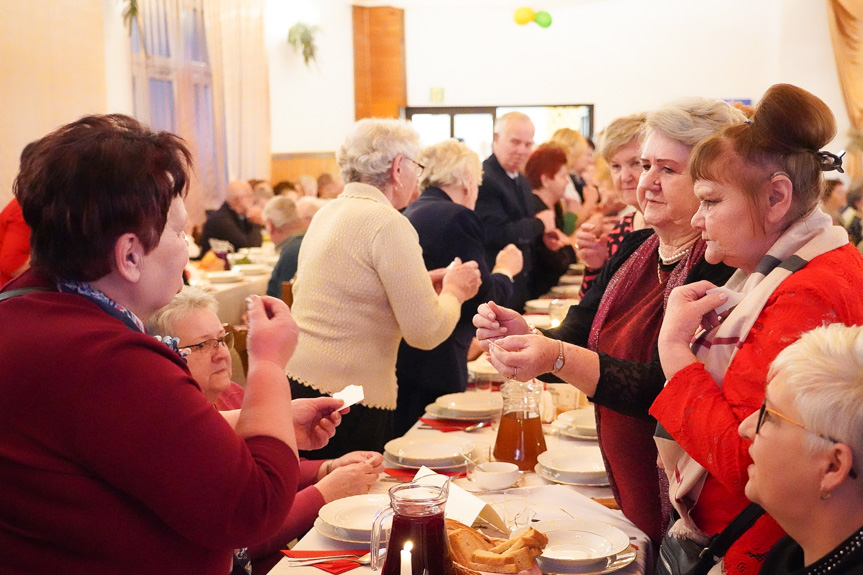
(466, 406)
(438, 453)
(569, 291)
(481, 369)
(350, 519)
(581, 546)
(580, 465)
(252, 269)
(576, 423)
(224, 277)
(542, 305)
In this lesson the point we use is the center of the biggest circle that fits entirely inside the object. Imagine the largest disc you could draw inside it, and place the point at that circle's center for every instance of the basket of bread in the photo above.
(473, 551)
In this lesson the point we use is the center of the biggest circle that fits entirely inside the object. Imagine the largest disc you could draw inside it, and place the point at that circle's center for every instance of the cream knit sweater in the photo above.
(361, 287)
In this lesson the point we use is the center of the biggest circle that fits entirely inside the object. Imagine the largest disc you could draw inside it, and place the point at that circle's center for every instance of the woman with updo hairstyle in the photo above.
(759, 185)
(546, 171)
(362, 285)
(449, 230)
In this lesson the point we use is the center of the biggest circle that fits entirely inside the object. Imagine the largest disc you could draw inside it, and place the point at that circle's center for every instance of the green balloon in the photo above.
(543, 19)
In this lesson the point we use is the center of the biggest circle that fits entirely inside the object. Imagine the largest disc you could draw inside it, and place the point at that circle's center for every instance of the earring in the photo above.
(825, 495)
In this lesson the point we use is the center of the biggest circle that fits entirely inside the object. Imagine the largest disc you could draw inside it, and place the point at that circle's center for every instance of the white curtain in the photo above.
(238, 56)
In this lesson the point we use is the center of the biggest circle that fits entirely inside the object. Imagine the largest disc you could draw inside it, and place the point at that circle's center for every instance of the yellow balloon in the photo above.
(523, 16)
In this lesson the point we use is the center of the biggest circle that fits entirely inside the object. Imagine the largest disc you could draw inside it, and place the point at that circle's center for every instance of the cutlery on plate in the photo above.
(477, 425)
(302, 562)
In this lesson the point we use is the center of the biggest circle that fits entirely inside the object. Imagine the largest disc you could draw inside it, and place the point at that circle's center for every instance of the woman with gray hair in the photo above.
(807, 445)
(362, 285)
(606, 345)
(287, 229)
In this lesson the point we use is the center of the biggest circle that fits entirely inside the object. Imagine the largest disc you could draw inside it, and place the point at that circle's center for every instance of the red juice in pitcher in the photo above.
(430, 553)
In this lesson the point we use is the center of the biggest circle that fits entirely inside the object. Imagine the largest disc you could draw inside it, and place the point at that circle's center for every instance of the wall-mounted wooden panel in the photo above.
(289, 167)
(379, 62)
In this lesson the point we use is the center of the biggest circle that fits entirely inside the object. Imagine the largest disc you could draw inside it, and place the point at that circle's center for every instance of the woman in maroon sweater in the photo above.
(111, 460)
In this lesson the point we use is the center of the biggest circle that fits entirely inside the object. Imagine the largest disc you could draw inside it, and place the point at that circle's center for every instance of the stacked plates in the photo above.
(350, 519)
(440, 453)
(466, 406)
(542, 305)
(224, 277)
(481, 369)
(252, 269)
(573, 466)
(569, 279)
(570, 291)
(581, 546)
(577, 423)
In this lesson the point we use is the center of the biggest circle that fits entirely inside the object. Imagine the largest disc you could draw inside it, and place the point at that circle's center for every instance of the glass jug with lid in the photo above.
(418, 542)
(519, 435)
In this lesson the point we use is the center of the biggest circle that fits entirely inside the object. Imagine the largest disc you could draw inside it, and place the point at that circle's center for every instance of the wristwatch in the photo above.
(558, 363)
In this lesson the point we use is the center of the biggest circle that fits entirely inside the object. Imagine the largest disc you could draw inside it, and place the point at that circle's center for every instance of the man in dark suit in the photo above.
(238, 221)
(448, 228)
(505, 202)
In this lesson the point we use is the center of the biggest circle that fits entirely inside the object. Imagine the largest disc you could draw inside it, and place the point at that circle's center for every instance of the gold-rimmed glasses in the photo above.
(212, 344)
(420, 166)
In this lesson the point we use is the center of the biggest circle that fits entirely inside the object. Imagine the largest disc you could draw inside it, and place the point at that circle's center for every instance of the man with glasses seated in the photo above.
(191, 318)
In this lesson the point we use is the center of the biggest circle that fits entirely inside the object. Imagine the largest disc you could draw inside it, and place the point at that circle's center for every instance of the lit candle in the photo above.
(406, 559)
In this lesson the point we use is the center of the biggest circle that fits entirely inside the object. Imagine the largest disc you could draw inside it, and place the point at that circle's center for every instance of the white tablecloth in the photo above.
(543, 499)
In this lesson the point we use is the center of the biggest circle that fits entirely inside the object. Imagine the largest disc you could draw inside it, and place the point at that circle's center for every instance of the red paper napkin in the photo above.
(447, 425)
(334, 567)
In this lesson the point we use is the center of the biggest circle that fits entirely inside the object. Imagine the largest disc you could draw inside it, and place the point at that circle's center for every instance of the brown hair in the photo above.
(91, 181)
(786, 133)
(546, 161)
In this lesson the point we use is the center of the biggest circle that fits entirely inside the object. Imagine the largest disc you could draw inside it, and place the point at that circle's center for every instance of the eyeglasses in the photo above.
(212, 345)
(420, 166)
(764, 410)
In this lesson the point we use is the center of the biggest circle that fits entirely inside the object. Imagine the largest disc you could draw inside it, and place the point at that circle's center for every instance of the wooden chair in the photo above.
(288, 292)
(240, 333)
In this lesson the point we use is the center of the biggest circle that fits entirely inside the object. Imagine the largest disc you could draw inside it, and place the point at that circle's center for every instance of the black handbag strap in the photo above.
(21, 291)
(720, 543)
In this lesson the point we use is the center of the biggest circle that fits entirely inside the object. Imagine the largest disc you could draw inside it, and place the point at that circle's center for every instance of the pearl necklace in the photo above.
(675, 257)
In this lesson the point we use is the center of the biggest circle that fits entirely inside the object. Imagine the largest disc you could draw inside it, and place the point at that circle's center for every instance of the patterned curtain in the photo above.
(846, 29)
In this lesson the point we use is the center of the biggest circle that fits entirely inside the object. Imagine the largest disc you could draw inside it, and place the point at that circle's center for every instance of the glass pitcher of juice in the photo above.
(418, 543)
(519, 434)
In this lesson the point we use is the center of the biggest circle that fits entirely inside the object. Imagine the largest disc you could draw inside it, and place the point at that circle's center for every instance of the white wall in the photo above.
(621, 55)
(311, 108)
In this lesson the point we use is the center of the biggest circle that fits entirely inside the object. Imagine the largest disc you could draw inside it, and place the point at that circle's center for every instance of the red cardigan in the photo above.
(111, 459)
(14, 240)
(704, 418)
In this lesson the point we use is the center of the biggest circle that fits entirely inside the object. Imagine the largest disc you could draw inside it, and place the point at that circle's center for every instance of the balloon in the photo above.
(523, 15)
(543, 19)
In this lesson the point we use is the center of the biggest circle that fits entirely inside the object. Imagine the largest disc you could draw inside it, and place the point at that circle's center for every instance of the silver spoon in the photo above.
(477, 425)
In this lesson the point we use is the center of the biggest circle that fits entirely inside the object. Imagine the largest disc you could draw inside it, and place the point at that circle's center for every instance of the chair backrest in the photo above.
(240, 333)
(288, 292)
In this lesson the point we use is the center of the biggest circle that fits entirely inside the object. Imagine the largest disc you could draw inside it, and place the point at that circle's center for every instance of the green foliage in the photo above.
(130, 12)
(302, 37)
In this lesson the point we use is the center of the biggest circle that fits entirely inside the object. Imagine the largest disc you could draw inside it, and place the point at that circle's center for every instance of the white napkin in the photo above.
(732, 301)
(350, 395)
(464, 506)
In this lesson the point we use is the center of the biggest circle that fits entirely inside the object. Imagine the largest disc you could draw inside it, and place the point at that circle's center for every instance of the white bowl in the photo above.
(496, 475)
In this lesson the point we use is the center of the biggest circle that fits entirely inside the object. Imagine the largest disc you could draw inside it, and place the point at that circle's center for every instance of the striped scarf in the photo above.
(806, 239)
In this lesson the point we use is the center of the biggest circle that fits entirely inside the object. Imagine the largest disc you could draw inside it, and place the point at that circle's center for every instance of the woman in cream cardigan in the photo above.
(362, 285)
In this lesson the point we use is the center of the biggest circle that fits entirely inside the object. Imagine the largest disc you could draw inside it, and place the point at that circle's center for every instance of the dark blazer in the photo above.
(505, 207)
(548, 266)
(226, 224)
(446, 230)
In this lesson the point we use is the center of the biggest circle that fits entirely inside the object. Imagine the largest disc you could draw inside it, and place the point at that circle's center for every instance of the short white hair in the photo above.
(281, 211)
(823, 373)
(166, 320)
(448, 163)
(307, 207)
(308, 184)
(501, 123)
(238, 189)
(692, 120)
(369, 150)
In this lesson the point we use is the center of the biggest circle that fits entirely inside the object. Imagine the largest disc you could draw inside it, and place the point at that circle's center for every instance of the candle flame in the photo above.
(408, 546)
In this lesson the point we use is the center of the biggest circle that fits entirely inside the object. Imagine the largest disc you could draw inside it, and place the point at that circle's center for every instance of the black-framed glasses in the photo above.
(765, 410)
(212, 344)
(420, 166)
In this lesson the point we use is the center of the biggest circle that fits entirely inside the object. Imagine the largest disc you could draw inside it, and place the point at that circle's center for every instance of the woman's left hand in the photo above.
(315, 420)
(373, 458)
(689, 306)
(523, 357)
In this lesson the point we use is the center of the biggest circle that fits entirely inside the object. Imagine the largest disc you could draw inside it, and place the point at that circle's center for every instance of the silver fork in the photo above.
(300, 562)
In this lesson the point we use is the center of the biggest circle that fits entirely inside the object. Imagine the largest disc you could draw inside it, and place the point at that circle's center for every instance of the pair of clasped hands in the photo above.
(519, 354)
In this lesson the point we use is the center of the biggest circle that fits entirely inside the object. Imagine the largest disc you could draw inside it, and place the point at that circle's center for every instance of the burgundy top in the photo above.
(112, 460)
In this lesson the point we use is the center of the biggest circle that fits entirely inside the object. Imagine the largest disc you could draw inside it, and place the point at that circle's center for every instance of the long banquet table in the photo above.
(543, 498)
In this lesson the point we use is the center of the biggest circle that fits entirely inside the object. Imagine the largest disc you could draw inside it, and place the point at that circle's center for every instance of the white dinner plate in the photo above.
(579, 546)
(570, 291)
(482, 366)
(252, 269)
(542, 305)
(392, 463)
(555, 477)
(441, 451)
(567, 430)
(537, 320)
(471, 403)
(577, 464)
(438, 412)
(581, 421)
(224, 277)
(336, 535)
(351, 518)
(570, 279)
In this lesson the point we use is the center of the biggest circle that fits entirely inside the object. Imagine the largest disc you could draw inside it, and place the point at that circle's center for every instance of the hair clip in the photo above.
(830, 162)
(747, 121)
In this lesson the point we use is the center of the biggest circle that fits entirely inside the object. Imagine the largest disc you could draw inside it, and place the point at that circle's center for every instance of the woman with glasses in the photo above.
(111, 459)
(191, 318)
(806, 447)
(758, 185)
(362, 285)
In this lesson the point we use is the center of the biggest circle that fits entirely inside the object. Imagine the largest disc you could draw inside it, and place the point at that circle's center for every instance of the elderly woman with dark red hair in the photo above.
(112, 461)
(546, 171)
